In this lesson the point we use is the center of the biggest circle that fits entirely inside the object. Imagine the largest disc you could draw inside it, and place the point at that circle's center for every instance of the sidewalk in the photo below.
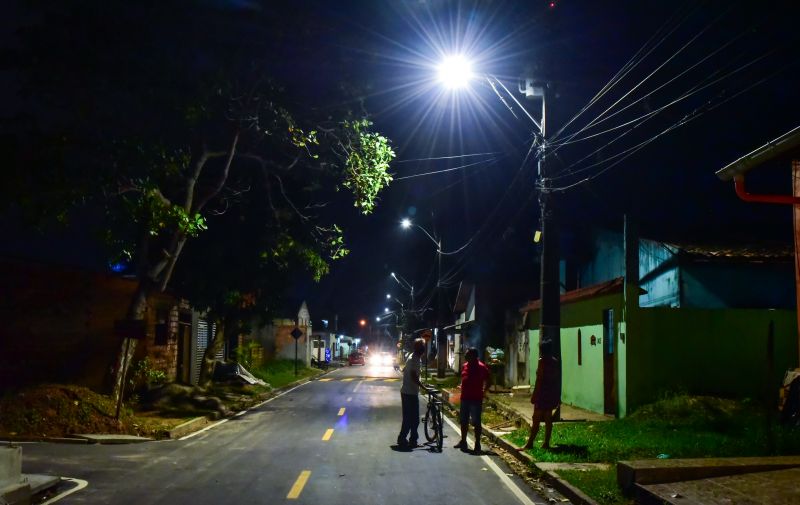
(519, 403)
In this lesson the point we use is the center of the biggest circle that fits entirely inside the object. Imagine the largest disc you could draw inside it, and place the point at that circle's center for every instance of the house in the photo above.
(59, 326)
(649, 318)
(277, 342)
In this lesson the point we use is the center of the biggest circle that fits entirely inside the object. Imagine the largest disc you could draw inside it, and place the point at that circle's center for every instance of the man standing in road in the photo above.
(409, 394)
(474, 385)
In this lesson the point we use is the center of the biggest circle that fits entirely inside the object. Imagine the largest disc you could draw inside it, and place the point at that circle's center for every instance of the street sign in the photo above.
(296, 333)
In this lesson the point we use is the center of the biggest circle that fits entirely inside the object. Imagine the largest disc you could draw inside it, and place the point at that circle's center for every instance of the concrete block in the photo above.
(10, 465)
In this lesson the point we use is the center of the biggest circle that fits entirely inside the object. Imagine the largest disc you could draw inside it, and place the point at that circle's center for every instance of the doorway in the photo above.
(609, 364)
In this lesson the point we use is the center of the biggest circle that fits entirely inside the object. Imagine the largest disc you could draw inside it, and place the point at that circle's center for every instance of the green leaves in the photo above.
(367, 164)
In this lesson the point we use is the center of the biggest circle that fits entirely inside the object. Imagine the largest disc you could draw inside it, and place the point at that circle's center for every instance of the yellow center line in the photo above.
(328, 434)
(347, 380)
(372, 379)
(391, 380)
(341, 411)
(325, 380)
(299, 484)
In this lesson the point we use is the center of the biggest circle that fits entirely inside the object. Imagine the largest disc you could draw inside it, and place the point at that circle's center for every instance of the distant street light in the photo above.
(386, 310)
(363, 322)
(388, 296)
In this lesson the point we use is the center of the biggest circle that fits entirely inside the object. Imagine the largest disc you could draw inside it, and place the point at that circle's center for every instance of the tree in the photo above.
(160, 118)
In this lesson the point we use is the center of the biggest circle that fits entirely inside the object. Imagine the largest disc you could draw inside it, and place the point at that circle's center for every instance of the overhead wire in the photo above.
(641, 119)
(490, 161)
(646, 78)
(627, 68)
(684, 72)
(456, 156)
(686, 119)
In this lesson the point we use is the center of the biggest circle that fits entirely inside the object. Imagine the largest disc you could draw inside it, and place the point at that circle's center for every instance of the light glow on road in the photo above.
(298, 486)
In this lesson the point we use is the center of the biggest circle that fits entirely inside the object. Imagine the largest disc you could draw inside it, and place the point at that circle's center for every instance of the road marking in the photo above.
(325, 379)
(299, 484)
(522, 497)
(80, 484)
(349, 398)
(341, 411)
(190, 435)
(390, 380)
(372, 379)
(328, 434)
(347, 379)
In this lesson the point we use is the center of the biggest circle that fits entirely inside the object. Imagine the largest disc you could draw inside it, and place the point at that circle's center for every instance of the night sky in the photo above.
(732, 69)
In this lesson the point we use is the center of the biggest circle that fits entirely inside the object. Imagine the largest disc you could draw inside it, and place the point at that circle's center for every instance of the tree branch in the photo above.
(222, 178)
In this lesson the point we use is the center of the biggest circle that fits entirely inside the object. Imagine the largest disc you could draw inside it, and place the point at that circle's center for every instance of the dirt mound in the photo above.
(59, 410)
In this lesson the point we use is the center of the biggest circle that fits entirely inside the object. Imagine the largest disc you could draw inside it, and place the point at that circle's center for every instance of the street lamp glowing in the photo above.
(386, 310)
(406, 224)
(455, 72)
(388, 296)
(363, 322)
(377, 319)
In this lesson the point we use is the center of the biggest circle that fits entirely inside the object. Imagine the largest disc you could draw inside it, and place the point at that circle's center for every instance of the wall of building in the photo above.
(58, 326)
(716, 285)
(582, 382)
(711, 352)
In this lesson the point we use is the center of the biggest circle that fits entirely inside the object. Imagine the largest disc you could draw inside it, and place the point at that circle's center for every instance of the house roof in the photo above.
(752, 252)
(603, 288)
(462, 298)
(787, 142)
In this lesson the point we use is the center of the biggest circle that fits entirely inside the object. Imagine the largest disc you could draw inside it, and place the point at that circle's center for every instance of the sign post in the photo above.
(296, 334)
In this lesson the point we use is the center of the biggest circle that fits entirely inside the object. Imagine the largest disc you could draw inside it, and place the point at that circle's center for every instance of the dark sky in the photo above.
(731, 69)
(739, 59)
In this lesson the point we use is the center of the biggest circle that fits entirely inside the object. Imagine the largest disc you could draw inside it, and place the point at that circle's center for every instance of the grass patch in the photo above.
(280, 372)
(598, 484)
(449, 382)
(679, 427)
(676, 427)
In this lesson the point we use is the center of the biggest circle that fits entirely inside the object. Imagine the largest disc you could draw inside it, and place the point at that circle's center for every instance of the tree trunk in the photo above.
(136, 312)
(215, 343)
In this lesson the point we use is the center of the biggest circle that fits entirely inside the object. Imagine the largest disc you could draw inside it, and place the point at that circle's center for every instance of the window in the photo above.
(580, 348)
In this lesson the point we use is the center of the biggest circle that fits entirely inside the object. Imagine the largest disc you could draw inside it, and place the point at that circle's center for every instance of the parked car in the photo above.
(356, 358)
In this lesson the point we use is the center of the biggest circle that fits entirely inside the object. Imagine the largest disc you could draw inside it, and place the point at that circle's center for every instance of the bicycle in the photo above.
(433, 421)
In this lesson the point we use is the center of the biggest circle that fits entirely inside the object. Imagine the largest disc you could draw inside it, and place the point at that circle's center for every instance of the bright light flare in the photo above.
(455, 72)
(405, 224)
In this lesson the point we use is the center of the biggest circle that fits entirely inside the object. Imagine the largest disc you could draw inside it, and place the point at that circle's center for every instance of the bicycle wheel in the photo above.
(439, 429)
(429, 422)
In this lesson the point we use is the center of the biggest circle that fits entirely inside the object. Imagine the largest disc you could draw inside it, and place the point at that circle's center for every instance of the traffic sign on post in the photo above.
(296, 334)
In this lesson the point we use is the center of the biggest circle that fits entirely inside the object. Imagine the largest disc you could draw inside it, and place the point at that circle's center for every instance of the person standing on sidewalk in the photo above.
(474, 385)
(409, 396)
(546, 396)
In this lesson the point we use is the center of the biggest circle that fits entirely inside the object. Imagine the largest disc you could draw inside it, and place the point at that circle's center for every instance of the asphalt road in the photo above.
(324, 442)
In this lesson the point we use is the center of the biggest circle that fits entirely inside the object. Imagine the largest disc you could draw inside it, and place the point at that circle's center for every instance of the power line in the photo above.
(449, 157)
(490, 161)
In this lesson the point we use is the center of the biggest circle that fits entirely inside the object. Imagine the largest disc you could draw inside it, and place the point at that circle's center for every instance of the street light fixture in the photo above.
(455, 72)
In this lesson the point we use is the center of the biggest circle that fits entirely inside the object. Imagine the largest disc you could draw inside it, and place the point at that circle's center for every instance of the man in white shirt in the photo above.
(409, 395)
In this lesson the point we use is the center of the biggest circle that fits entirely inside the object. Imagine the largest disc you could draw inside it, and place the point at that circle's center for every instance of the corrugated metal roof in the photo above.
(603, 288)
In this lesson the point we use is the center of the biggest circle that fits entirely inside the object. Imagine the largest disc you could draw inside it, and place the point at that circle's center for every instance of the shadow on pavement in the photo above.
(400, 448)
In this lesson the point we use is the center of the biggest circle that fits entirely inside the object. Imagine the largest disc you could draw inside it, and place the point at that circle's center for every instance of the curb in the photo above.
(574, 494)
(187, 427)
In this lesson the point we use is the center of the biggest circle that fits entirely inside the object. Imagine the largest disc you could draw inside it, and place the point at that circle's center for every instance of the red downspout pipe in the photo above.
(742, 193)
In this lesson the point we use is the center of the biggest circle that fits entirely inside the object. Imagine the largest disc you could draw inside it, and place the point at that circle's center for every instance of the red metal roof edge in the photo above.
(603, 288)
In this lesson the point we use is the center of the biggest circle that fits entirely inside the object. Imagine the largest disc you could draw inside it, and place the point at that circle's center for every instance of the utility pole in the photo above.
(441, 338)
(550, 310)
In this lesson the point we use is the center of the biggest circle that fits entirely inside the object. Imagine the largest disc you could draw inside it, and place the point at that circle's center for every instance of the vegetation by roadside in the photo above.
(601, 485)
(59, 410)
(677, 427)
(280, 372)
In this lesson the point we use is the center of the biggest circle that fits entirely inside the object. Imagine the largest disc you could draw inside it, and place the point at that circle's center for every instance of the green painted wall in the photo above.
(704, 351)
(582, 384)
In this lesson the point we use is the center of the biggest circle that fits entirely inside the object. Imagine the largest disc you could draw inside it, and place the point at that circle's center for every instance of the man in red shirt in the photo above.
(474, 385)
